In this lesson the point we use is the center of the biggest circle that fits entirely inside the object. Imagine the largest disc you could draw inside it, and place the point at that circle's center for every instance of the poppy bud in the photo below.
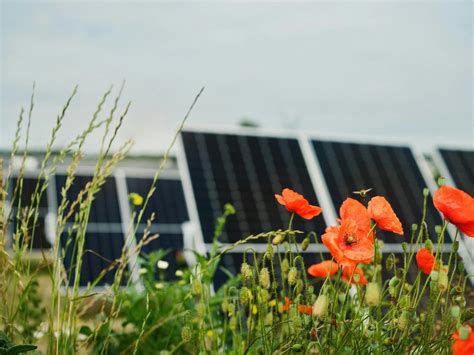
(455, 311)
(389, 262)
(443, 280)
(456, 290)
(230, 309)
(233, 323)
(434, 275)
(246, 271)
(461, 267)
(320, 307)
(438, 229)
(426, 192)
(455, 246)
(264, 296)
(460, 300)
(464, 332)
(429, 245)
(341, 297)
(269, 319)
(394, 282)
(245, 295)
(299, 286)
(269, 252)
(468, 314)
(441, 181)
(186, 334)
(305, 243)
(279, 238)
(414, 227)
(372, 294)
(285, 266)
(264, 278)
(404, 320)
(224, 306)
(292, 276)
(405, 246)
(310, 290)
(197, 287)
(297, 348)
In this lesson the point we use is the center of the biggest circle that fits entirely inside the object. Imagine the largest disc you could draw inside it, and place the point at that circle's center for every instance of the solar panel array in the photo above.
(460, 164)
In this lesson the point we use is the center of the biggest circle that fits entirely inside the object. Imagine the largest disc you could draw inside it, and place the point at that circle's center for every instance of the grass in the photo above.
(272, 306)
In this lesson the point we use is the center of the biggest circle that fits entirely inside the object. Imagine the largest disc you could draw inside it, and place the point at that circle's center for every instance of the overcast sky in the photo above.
(399, 69)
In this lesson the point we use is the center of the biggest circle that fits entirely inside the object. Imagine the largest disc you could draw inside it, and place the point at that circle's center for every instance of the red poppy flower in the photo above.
(351, 242)
(382, 213)
(463, 347)
(323, 269)
(348, 273)
(302, 309)
(457, 207)
(296, 203)
(425, 260)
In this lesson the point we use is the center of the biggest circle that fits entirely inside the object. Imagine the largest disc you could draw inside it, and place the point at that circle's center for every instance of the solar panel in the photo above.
(104, 238)
(169, 207)
(391, 171)
(23, 200)
(460, 164)
(246, 171)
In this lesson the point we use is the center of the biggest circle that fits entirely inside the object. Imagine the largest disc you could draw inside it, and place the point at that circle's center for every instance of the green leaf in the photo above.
(22, 348)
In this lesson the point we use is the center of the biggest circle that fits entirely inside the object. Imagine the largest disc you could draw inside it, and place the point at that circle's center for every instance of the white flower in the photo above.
(163, 265)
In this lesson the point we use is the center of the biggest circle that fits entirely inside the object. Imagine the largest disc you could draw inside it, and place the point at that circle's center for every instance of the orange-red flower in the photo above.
(323, 269)
(425, 260)
(352, 242)
(382, 213)
(348, 273)
(466, 346)
(296, 203)
(303, 309)
(457, 207)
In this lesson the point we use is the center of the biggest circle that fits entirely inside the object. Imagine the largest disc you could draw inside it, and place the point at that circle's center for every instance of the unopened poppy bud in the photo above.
(264, 278)
(186, 334)
(292, 276)
(460, 300)
(441, 181)
(443, 280)
(230, 309)
(269, 253)
(404, 320)
(310, 290)
(461, 267)
(464, 332)
(224, 306)
(456, 290)
(285, 266)
(244, 295)
(429, 245)
(455, 311)
(229, 209)
(299, 286)
(394, 282)
(320, 307)
(404, 301)
(434, 275)
(426, 192)
(269, 319)
(438, 229)
(422, 317)
(279, 238)
(233, 323)
(372, 294)
(305, 243)
(246, 271)
(264, 296)
(341, 297)
(414, 227)
(405, 246)
(389, 262)
(468, 314)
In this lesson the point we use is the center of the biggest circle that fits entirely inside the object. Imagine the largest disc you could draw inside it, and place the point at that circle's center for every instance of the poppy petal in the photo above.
(382, 213)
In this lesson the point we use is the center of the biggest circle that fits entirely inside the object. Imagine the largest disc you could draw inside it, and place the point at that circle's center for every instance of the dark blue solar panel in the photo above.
(391, 171)
(100, 250)
(460, 164)
(104, 209)
(167, 202)
(246, 171)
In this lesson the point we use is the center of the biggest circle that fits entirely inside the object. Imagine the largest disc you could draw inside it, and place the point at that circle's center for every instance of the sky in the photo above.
(399, 69)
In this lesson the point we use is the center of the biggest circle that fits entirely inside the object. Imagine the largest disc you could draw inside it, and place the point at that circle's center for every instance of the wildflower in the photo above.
(425, 260)
(463, 341)
(303, 309)
(254, 309)
(264, 278)
(323, 269)
(372, 294)
(443, 279)
(457, 207)
(320, 307)
(272, 303)
(382, 213)
(162, 264)
(296, 203)
(354, 275)
(268, 319)
(352, 241)
(245, 295)
(136, 199)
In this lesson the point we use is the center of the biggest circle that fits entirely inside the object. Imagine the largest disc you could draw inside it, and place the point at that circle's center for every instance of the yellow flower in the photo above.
(136, 199)
(272, 303)
(209, 333)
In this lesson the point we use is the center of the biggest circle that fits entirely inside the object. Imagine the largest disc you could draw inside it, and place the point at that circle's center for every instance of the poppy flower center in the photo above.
(350, 239)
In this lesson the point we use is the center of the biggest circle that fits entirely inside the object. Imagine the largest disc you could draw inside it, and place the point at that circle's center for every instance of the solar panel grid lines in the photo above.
(392, 171)
(247, 170)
